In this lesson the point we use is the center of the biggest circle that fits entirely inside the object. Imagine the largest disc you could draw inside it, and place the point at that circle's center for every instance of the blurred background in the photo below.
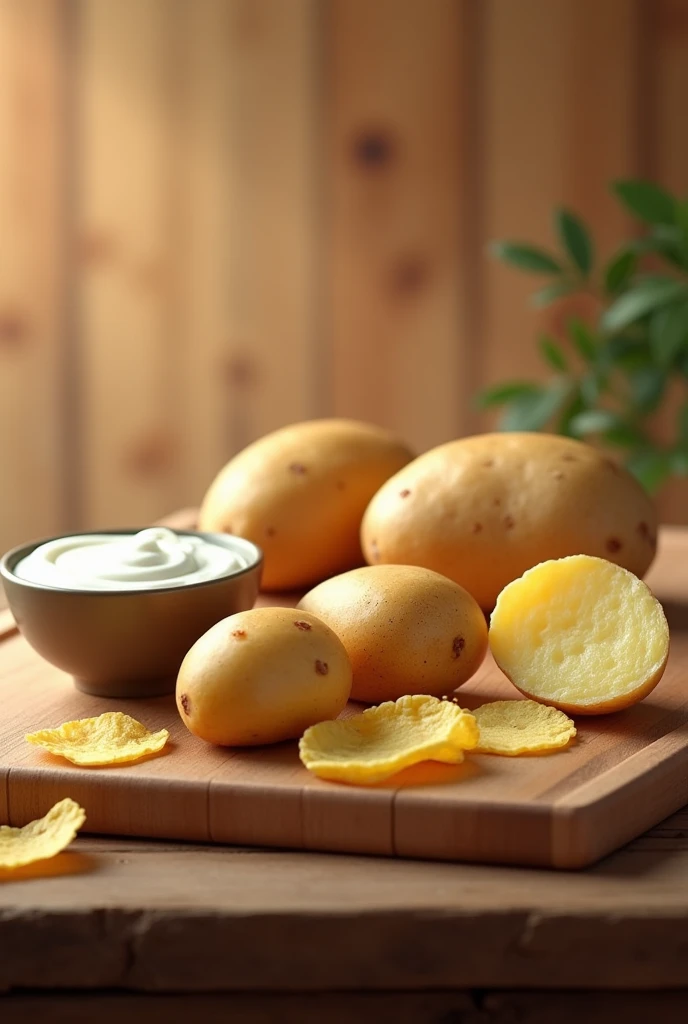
(220, 216)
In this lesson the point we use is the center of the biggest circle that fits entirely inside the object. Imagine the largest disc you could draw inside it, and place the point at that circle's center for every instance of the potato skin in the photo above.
(484, 509)
(407, 630)
(300, 494)
(262, 676)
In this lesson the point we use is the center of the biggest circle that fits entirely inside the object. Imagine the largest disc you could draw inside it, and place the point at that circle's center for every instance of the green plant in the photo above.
(612, 372)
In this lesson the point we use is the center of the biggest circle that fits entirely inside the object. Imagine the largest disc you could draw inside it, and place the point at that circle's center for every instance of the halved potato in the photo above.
(580, 634)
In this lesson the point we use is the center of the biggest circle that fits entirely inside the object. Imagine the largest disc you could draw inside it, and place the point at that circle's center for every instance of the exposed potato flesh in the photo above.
(580, 634)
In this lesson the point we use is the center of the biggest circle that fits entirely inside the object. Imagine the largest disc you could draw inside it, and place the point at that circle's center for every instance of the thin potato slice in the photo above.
(111, 738)
(581, 634)
(513, 727)
(43, 838)
(382, 740)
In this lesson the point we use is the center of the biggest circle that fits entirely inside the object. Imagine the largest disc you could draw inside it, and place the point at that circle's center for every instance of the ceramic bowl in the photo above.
(127, 643)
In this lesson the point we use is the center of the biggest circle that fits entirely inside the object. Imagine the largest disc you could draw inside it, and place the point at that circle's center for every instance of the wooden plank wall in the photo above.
(219, 216)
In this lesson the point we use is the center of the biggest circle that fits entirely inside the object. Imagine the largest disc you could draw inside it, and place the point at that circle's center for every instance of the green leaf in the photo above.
(594, 421)
(619, 270)
(665, 240)
(526, 257)
(501, 394)
(625, 435)
(575, 239)
(646, 200)
(651, 468)
(575, 406)
(583, 339)
(642, 299)
(550, 293)
(647, 388)
(679, 461)
(533, 412)
(682, 424)
(592, 387)
(682, 216)
(553, 354)
(669, 332)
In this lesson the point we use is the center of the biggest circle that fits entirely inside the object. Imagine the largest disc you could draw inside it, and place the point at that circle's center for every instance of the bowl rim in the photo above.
(15, 554)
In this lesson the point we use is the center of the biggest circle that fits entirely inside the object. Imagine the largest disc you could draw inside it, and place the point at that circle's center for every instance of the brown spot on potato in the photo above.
(185, 702)
(645, 532)
(613, 545)
(558, 475)
(301, 624)
(458, 644)
(298, 468)
(341, 485)
(496, 502)
(487, 463)
(405, 493)
(509, 522)
(270, 531)
(569, 458)
(322, 668)
(477, 527)
(240, 634)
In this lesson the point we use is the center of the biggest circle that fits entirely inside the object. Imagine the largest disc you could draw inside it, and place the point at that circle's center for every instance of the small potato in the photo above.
(580, 634)
(484, 509)
(262, 676)
(300, 494)
(406, 630)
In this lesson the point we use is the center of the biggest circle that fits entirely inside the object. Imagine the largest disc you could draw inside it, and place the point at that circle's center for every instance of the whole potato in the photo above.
(405, 629)
(300, 493)
(484, 509)
(262, 676)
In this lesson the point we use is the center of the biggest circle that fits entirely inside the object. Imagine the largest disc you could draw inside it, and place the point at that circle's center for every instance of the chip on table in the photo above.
(43, 838)
(383, 740)
(513, 727)
(111, 738)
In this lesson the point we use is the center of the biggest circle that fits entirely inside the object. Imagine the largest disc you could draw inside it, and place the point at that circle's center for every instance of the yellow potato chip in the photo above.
(382, 740)
(513, 727)
(42, 838)
(111, 738)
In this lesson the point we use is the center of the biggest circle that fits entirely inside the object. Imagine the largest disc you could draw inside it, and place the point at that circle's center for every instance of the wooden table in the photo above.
(132, 930)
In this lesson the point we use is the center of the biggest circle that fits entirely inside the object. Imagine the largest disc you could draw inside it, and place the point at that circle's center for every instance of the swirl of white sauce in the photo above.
(155, 557)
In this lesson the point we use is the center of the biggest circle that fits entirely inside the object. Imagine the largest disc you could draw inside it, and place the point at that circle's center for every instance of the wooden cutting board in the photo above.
(626, 772)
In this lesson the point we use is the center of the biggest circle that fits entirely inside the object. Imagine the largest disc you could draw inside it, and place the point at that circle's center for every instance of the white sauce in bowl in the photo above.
(152, 559)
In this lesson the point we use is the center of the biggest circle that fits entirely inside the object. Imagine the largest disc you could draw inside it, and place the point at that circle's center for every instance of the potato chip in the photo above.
(513, 727)
(42, 838)
(111, 738)
(382, 740)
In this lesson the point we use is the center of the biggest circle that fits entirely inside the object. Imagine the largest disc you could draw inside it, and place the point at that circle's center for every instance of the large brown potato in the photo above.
(300, 493)
(484, 509)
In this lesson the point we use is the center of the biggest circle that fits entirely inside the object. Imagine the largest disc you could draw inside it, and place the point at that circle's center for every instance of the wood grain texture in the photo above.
(622, 775)
(32, 193)
(393, 300)
(116, 914)
(558, 112)
(666, 161)
(464, 1007)
(247, 141)
(124, 124)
